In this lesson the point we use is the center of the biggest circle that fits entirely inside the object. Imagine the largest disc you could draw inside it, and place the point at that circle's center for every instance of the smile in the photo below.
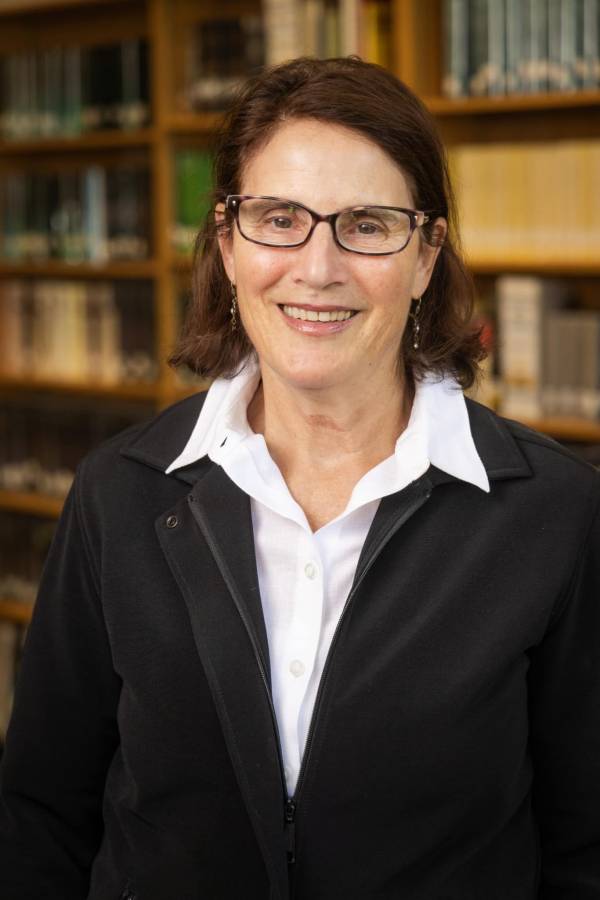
(313, 315)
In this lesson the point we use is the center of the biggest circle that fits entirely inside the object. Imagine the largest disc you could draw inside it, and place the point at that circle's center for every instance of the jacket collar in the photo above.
(159, 442)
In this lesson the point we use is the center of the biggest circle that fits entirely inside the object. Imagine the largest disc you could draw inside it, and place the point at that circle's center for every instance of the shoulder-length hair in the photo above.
(368, 99)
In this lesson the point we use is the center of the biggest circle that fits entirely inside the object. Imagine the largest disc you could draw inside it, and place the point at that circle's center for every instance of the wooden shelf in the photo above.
(31, 503)
(181, 263)
(518, 103)
(23, 7)
(541, 267)
(567, 428)
(145, 268)
(146, 392)
(93, 140)
(193, 123)
(17, 611)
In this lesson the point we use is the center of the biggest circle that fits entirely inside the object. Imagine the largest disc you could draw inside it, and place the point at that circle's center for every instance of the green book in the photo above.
(193, 186)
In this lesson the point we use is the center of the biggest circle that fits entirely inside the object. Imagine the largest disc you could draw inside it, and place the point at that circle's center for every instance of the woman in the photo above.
(330, 630)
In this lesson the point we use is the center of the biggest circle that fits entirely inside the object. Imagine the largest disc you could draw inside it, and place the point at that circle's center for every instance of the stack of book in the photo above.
(549, 353)
(100, 332)
(529, 202)
(63, 91)
(495, 47)
(192, 192)
(222, 53)
(92, 214)
(41, 444)
(327, 28)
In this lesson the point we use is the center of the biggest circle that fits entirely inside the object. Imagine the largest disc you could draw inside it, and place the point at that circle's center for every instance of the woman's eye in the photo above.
(280, 222)
(368, 227)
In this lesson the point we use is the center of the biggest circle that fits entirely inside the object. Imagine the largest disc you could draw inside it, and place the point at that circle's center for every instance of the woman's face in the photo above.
(327, 168)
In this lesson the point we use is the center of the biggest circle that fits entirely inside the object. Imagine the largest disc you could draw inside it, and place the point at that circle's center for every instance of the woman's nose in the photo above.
(320, 261)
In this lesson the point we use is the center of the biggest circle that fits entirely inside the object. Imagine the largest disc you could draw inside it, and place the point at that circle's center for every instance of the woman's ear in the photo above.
(225, 238)
(428, 253)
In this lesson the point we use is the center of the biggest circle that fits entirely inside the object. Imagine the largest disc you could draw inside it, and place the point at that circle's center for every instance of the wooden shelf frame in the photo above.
(18, 612)
(31, 503)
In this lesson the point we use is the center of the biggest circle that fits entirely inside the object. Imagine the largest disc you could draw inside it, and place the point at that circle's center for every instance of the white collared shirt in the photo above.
(305, 576)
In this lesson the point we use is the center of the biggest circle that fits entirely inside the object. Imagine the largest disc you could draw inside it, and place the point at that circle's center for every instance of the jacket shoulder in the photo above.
(544, 454)
(155, 441)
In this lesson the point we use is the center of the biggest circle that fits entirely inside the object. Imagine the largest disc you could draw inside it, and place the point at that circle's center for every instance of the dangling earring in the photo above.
(416, 325)
(233, 309)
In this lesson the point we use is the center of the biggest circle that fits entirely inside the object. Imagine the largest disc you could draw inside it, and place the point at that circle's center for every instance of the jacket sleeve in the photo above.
(63, 730)
(565, 733)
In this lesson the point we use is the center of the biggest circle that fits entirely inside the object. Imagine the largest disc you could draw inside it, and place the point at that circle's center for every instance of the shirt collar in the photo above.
(438, 431)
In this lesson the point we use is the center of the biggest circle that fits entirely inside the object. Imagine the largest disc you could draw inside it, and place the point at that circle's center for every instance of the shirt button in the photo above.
(310, 570)
(297, 668)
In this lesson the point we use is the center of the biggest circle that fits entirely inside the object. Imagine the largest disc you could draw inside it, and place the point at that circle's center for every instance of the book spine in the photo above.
(455, 81)
(350, 15)
(478, 47)
(283, 30)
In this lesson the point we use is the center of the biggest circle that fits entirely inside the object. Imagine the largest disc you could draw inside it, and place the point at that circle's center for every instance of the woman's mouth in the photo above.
(321, 315)
(315, 321)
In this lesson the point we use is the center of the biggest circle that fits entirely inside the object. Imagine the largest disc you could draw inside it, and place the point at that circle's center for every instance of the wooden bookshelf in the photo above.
(517, 103)
(17, 611)
(93, 390)
(30, 503)
(417, 42)
(136, 269)
(89, 141)
(567, 428)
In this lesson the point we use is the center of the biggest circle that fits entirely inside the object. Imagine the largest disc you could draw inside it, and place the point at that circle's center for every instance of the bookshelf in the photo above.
(181, 37)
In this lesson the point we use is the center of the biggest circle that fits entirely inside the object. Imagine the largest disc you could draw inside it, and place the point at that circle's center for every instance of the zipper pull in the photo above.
(290, 830)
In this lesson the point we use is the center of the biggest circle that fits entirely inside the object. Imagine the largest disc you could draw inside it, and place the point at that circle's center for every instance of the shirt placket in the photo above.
(301, 645)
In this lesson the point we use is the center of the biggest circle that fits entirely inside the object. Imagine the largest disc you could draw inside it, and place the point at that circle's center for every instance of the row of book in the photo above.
(24, 544)
(328, 28)
(74, 89)
(220, 54)
(496, 47)
(95, 331)
(192, 187)
(94, 213)
(548, 350)
(223, 51)
(529, 202)
(41, 444)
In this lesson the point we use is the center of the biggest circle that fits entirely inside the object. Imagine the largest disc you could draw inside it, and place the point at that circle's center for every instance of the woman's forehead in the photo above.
(322, 160)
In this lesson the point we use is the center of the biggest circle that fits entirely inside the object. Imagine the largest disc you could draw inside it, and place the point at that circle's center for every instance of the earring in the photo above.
(416, 325)
(233, 309)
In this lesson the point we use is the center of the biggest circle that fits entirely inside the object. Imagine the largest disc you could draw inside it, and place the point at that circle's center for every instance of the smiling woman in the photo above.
(331, 629)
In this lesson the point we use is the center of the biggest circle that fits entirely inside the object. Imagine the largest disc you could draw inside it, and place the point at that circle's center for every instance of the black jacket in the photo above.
(455, 748)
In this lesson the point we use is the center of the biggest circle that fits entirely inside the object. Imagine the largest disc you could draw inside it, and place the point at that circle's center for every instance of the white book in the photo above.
(523, 302)
(284, 39)
(350, 26)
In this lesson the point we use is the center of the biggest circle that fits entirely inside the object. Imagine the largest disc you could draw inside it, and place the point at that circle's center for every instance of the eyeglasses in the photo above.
(372, 230)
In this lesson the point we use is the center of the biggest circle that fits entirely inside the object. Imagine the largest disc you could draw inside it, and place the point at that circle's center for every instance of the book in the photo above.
(456, 61)
(192, 193)
(523, 304)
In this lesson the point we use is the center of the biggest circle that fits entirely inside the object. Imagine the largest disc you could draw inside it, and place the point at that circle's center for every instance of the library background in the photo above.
(106, 113)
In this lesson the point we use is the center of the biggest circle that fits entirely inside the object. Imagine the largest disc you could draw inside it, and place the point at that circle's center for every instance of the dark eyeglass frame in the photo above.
(417, 219)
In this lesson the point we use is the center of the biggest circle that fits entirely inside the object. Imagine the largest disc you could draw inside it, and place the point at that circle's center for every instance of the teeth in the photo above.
(311, 315)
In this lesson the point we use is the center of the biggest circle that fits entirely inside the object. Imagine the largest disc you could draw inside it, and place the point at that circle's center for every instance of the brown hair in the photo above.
(368, 99)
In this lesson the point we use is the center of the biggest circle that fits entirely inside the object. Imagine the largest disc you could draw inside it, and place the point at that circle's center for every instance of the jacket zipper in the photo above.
(291, 803)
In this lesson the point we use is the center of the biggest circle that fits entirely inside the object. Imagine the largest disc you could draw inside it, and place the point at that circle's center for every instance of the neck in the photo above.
(319, 431)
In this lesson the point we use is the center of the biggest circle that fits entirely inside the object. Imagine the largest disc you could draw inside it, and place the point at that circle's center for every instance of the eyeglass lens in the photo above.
(365, 229)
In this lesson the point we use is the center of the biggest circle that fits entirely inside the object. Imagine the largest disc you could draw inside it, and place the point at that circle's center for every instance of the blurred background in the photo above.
(107, 108)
